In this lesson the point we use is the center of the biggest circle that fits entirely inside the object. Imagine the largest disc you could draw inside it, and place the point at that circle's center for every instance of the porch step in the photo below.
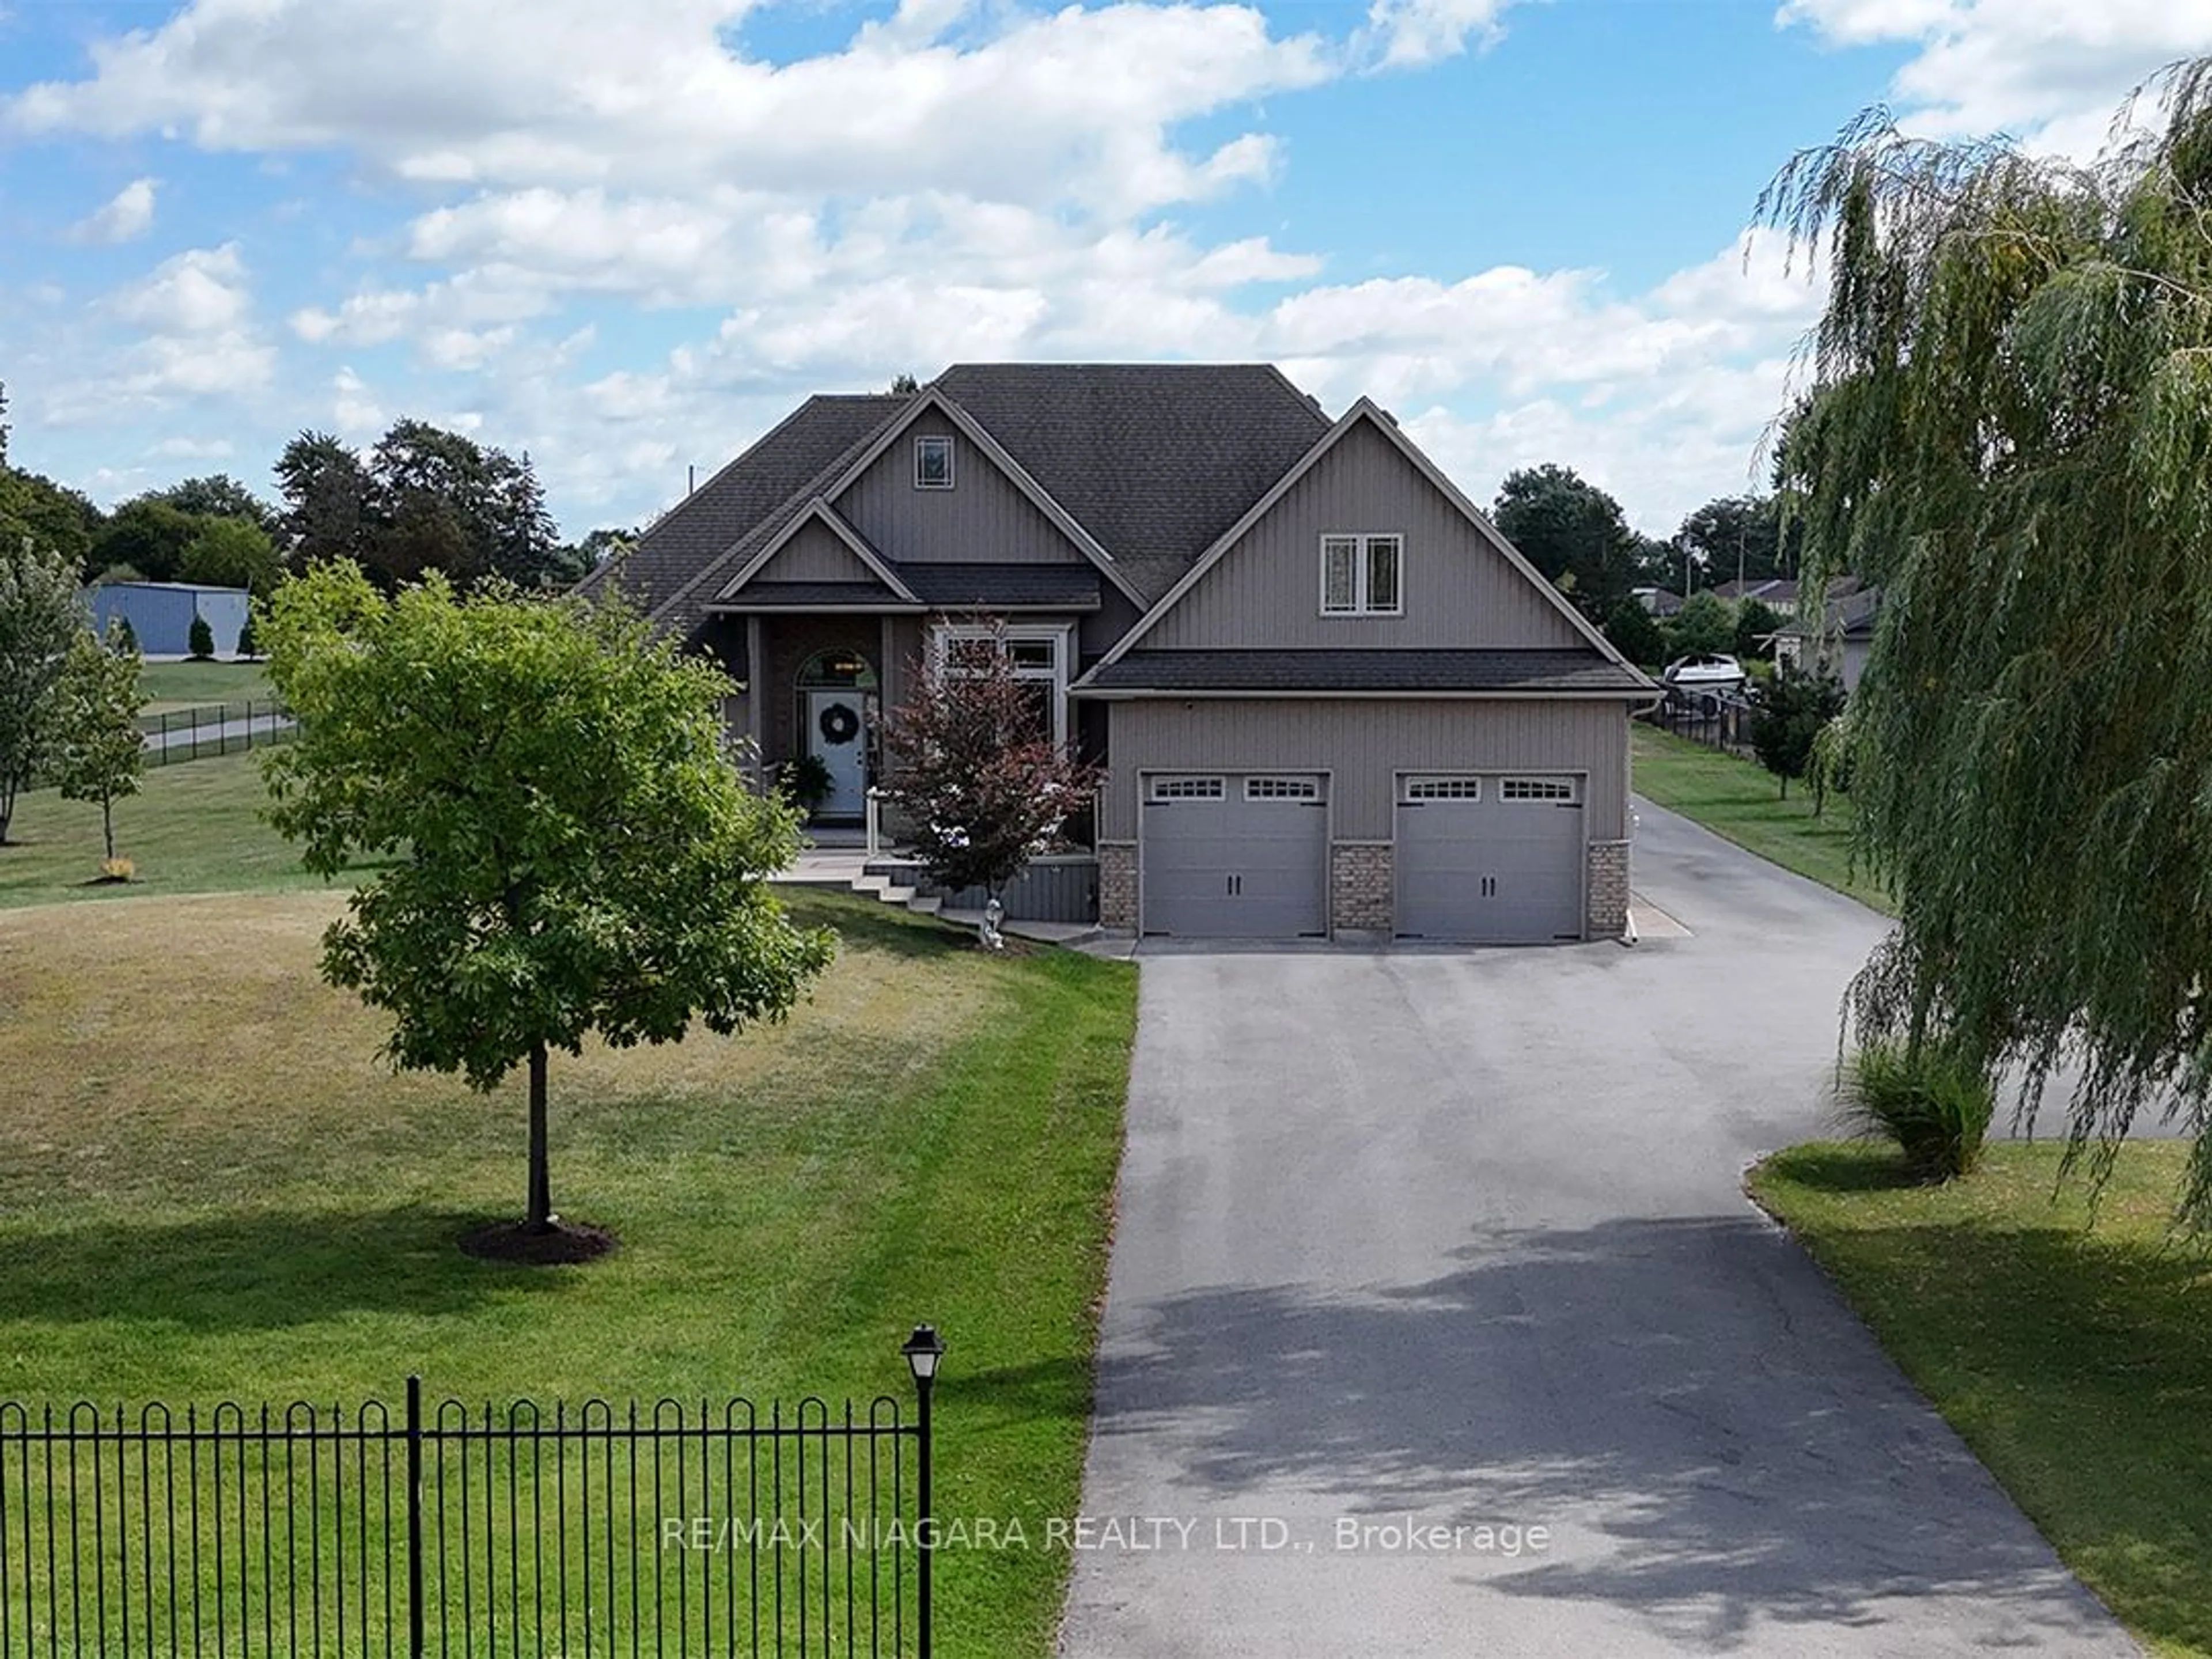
(925, 905)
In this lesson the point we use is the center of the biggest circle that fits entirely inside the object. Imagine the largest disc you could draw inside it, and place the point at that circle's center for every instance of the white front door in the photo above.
(837, 733)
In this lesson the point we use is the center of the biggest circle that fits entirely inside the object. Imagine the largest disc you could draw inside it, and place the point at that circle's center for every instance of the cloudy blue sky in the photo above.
(627, 237)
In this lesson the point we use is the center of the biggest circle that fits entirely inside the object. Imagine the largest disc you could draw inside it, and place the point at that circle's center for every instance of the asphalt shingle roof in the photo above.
(980, 587)
(1154, 459)
(670, 573)
(1365, 670)
(786, 596)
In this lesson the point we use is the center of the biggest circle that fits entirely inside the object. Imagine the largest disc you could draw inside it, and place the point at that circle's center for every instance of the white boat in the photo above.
(1705, 672)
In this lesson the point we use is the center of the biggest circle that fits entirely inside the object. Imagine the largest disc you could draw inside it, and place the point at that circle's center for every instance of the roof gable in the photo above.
(817, 545)
(1549, 619)
(930, 400)
(666, 574)
(1155, 459)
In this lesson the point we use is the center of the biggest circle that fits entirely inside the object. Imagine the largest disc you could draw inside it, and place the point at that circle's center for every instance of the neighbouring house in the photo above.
(1331, 698)
(162, 613)
(1845, 638)
(1658, 601)
(1778, 594)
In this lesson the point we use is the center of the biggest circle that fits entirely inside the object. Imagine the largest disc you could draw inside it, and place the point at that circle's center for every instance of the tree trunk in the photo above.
(107, 825)
(541, 1219)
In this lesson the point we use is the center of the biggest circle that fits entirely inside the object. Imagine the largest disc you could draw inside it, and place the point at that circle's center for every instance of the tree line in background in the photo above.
(422, 499)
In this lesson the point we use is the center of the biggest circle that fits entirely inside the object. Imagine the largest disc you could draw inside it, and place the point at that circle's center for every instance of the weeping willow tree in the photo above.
(2008, 427)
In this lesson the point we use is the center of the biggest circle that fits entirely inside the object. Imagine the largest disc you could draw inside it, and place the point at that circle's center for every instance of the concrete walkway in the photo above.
(1421, 1239)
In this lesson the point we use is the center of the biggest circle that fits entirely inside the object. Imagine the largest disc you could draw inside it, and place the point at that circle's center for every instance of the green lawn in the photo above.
(2075, 1360)
(1740, 799)
(194, 828)
(210, 1188)
(172, 686)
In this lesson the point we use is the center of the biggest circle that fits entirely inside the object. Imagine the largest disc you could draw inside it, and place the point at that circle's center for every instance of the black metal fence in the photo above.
(214, 728)
(1719, 720)
(673, 1529)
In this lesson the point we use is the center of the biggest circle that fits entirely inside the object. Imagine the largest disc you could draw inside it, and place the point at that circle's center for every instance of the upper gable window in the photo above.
(1362, 575)
(933, 463)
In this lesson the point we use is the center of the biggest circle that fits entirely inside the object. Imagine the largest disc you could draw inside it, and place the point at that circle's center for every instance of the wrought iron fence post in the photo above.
(924, 1350)
(925, 1517)
(415, 1517)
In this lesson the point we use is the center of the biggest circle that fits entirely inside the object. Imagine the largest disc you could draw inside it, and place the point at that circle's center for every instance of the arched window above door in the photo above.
(828, 671)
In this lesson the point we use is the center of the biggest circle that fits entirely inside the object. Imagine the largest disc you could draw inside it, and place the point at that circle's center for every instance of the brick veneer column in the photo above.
(1117, 883)
(1608, 889)
(1359, 894)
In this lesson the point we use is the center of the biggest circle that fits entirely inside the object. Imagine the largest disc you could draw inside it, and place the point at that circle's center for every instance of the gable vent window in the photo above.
(1362, 575)
(1186, 789)
(1444, 789)
(1535, 789)
(933, 463)
(1282, 789)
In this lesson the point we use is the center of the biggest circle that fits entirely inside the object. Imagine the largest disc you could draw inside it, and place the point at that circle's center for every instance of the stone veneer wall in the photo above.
(1607, 889)
(1117, 883)
(1360, 899)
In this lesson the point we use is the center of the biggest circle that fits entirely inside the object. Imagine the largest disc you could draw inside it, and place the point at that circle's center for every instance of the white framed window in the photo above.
(1535, 789)
(1189, 789)
(1363, 575)
(1282, 789)
(933, 463)
(1443, 789)
(1039, 657)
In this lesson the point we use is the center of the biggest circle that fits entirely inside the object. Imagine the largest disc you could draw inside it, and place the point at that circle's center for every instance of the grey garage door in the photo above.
(1235, 855)
(1490, 859)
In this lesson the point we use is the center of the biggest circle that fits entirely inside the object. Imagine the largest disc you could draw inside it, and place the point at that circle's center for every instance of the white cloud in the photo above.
(354, 409)
(569, 93)
(192, 449)
(125, 217)
(199, 291)
(2051, 71)
(1412, 33)
(193, 318)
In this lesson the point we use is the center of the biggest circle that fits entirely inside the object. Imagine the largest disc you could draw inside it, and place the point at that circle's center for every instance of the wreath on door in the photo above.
(839, 724)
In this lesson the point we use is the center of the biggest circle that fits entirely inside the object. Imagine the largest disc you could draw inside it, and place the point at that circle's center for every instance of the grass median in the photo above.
(1739, 800)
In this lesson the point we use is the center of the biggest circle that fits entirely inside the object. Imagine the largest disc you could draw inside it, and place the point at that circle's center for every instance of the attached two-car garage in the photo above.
(1477, 858)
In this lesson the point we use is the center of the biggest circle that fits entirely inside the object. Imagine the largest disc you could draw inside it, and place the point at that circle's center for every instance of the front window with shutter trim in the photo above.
(1362, 575)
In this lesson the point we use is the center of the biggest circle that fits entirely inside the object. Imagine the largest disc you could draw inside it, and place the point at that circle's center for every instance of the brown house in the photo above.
(1332, 699)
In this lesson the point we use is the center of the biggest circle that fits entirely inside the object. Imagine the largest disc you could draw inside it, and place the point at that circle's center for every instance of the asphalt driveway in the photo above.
(1417, 1240)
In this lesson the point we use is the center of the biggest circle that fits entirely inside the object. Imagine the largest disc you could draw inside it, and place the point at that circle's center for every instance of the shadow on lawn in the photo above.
(1685, 1403)
(255, 1270)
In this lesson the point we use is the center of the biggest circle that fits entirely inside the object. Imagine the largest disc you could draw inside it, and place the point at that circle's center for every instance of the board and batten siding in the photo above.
(982, 519)
(815, 554)
(1364, 745)
(1459, 591)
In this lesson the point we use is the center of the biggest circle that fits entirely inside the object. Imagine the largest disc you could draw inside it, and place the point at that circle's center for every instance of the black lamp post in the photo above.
(923, 1350)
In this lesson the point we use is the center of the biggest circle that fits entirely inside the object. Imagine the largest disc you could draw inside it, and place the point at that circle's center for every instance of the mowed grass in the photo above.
(210, 1188)
(194, 827)
(1740, 801)
(172, 685)
(2076, 1360)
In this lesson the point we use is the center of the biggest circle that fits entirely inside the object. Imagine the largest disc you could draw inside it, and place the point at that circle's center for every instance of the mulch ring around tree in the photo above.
(563, 1244)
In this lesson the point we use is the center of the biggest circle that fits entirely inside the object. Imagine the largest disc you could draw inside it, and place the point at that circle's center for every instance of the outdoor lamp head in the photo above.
(922, 1351)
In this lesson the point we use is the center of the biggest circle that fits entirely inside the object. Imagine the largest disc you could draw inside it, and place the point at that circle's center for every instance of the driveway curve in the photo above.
(1437, 1322)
